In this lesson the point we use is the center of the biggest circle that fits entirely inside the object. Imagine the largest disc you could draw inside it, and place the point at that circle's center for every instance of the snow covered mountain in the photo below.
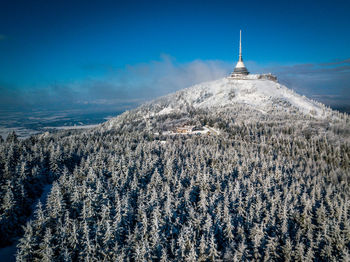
(230, 170)
(260, 94)
(261, 97)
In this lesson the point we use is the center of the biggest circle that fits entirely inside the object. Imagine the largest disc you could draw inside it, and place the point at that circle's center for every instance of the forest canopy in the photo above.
(269, 187)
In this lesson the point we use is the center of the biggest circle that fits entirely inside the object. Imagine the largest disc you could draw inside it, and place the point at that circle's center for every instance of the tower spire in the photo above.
(240, 68)
(240, 45)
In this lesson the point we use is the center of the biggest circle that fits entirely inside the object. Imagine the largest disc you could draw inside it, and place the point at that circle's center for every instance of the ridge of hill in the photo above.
(245, 99)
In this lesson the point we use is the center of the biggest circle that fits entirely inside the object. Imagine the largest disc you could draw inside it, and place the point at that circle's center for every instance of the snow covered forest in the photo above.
(269, 187)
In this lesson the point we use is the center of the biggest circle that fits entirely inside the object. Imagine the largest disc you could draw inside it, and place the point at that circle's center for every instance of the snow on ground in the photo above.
(71, 127)
(20, 131)
(263, 95)
(213, 130)
(188, 130)
(165, 111)
(260, 94)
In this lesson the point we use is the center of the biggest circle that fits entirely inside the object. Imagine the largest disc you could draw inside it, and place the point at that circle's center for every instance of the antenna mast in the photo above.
(240, 68)
(240, 45)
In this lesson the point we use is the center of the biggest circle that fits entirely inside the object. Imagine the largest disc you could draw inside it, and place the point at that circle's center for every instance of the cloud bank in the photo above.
(118, 88)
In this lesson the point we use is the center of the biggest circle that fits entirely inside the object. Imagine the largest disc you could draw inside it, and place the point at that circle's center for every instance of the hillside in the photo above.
(260, 94)
(230, 170)
(245, 101)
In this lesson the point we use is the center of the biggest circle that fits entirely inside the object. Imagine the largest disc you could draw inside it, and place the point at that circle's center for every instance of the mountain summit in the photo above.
(252, 97)
(262, 95)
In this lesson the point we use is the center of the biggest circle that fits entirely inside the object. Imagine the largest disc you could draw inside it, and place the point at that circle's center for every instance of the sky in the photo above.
(117, 54)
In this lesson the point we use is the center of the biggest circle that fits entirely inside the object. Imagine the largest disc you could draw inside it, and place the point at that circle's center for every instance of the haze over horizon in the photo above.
(114, 55)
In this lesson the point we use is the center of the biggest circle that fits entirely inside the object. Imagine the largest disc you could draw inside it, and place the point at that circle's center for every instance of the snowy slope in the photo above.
(260, 94)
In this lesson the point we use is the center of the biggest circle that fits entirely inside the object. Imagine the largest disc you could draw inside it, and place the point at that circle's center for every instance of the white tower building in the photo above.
(240, 68)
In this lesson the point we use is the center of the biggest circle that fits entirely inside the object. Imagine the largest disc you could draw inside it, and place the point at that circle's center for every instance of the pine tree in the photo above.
(25, 247)
(46, 249)
(213, 253)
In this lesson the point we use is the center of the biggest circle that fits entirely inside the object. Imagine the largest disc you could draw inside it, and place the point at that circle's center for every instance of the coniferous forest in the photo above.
(272, 187)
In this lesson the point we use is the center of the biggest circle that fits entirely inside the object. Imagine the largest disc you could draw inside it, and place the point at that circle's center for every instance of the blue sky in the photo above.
(76, 53)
